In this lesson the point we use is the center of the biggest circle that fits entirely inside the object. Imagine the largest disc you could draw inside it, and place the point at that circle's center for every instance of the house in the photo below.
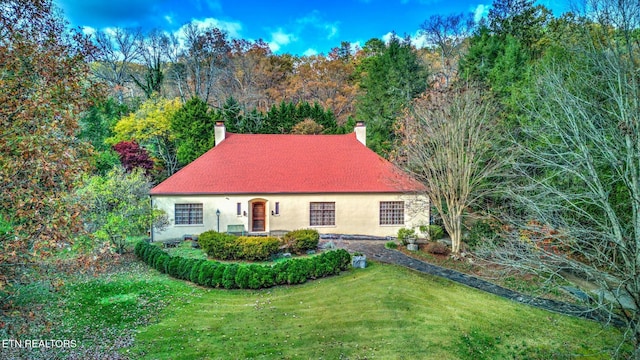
(257, 183)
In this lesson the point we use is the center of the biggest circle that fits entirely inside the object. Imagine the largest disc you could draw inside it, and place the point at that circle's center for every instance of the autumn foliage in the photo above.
(132, 156)
(43, 89)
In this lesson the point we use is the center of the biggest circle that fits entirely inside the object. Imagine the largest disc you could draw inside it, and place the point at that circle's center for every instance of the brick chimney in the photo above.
(361, 132)
(219, 132)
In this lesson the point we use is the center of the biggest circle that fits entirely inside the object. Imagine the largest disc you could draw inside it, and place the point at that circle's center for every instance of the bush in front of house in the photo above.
(223, 246)
(258, 248)
(437, 248)
(435, 231)
(244, 276)
(301, 241)
(219, 245)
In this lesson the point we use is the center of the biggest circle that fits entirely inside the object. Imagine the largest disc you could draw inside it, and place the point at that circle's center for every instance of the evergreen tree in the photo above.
(391, 76)
(193, 128)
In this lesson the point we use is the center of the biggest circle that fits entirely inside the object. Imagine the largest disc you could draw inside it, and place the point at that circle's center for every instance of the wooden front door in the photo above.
(258, 216)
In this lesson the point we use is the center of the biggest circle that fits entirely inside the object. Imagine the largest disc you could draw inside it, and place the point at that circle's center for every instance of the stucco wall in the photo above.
(354, 213)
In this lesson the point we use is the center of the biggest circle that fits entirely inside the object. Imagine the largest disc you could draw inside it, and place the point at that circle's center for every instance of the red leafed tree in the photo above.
(133, 156)
(43, 90)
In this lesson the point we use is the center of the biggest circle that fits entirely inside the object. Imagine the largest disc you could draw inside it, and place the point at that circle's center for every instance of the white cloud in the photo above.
(315, 20)
(88, 30)
(169, 19)
(310, 52)
(232, 28)
(419, 40)
(279, 38)
(480, 11)
(387, 37)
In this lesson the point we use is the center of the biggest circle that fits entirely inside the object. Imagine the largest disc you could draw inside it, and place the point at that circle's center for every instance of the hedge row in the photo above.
(243, 276)
(230, 247)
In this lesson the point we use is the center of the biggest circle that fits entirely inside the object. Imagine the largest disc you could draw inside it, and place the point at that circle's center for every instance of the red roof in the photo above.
(267, 164)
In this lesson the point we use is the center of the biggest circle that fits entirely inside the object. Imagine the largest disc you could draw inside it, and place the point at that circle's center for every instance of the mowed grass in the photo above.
(383, 312)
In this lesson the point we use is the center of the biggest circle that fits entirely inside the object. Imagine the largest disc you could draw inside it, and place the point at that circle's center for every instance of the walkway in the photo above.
(375, 250)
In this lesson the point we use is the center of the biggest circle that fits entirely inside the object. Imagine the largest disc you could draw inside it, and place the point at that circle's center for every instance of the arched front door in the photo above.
(258, 212)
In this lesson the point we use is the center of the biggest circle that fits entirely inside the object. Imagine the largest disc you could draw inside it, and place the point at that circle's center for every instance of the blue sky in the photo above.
(296, 27)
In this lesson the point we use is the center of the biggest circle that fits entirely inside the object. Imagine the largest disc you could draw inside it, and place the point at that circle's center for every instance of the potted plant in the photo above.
(359, 260)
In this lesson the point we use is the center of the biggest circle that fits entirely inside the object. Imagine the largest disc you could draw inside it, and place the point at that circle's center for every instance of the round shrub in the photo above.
(137, 250)
(174, 263)
(243, 275)
(229, 276)
(195, 270)
(218, 275)
(205, 275)
(220, 245)
(437, 248)
(301, 241)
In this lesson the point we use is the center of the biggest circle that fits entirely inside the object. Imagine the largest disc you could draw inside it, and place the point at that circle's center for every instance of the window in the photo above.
(392, 213)
(188, 214)
(239, 209)
(322, 214)
(277, 211)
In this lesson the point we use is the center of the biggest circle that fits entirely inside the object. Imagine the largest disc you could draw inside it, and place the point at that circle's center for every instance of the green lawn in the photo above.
(379, 312)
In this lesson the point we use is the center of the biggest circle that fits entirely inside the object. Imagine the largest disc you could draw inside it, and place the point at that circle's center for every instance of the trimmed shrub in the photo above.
(281, 272)
(195, 270)
(220, 245)
(243, 275)
(301, 241)
(172, 268)
(258, 248)
(391, 245)
(140, 246)
(252, 276)
(437, 248)
(160, 262)
(229, 276)
(218, 274)
(206, 271)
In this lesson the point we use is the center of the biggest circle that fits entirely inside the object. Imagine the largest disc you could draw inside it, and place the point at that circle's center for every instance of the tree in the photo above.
(193, 127)
(150, 126)
(520, 19)
(151, 48)
(119, 206)
(448, 34)
(447, 143)
(117, 49)
(96, 126)
(44, 87)
(578, 175)
(307, 127)
(132, 157)
(391, 77)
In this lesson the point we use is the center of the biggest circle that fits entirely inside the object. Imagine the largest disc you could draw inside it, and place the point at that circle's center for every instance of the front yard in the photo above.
(382, 311)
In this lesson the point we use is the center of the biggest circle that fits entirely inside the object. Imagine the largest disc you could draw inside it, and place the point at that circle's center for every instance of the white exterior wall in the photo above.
(355, 214)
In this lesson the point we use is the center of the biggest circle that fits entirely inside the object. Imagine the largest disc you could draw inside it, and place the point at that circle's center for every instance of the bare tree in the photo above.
(447, 140)
(117, 49)
(447, 34)
(579, 172)
(150, 76)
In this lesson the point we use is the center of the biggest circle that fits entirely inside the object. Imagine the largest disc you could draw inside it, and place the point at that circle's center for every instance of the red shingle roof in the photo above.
(267, 164)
